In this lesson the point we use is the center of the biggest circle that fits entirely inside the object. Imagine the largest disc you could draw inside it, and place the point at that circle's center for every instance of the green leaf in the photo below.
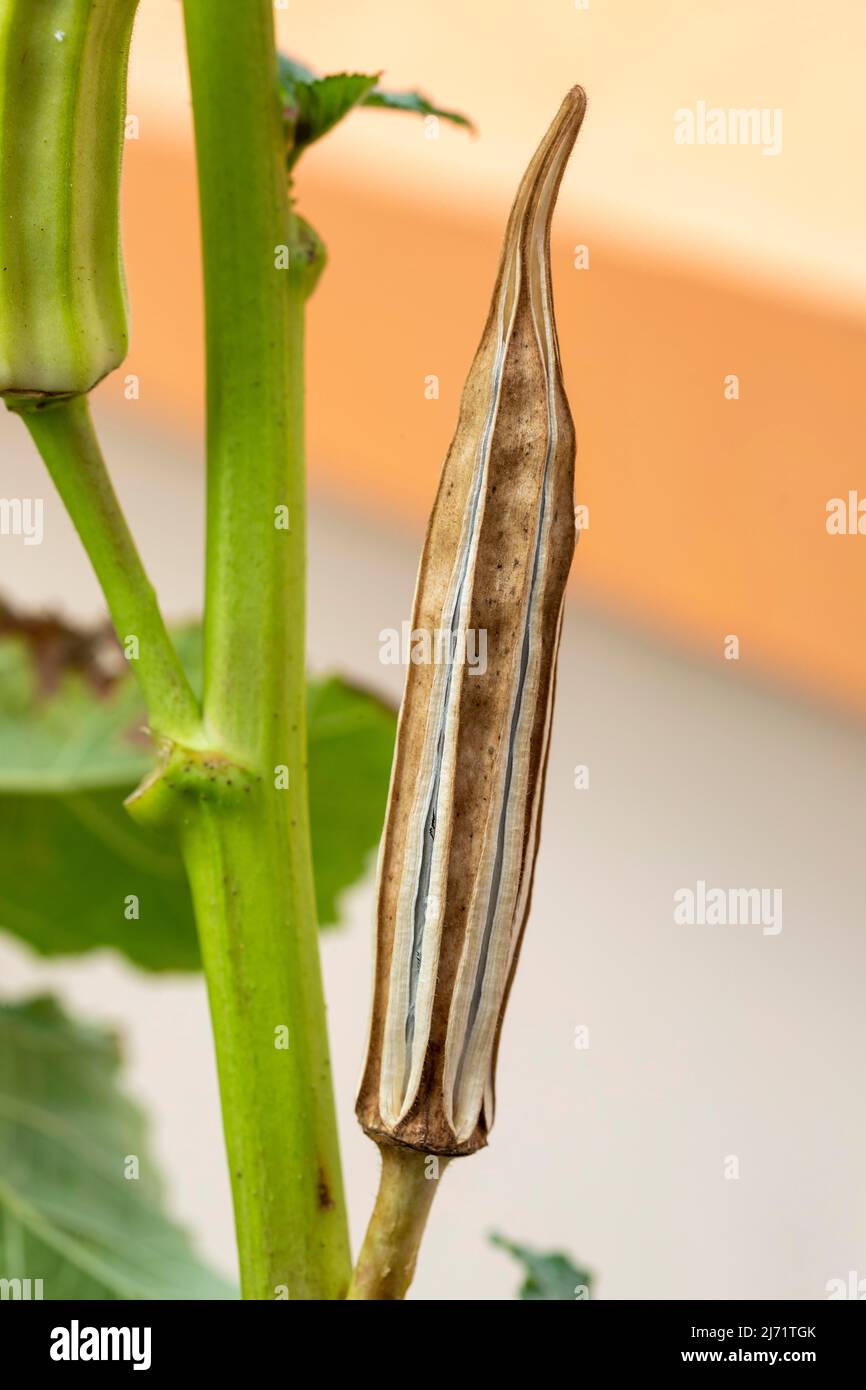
(72, 857)
(325, 102)
(351, 740)
(74, 860)
(314, 105)
(417, 103)
(72, 1212)
(547, 1276)
(290, 71)
(73, 865)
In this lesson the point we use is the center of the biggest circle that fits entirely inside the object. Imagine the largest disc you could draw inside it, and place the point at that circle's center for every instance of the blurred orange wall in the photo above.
(707, 515)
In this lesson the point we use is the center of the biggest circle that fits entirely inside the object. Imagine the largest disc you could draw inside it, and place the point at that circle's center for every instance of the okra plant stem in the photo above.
(286, 1188)
(65, 437)
(249, 857)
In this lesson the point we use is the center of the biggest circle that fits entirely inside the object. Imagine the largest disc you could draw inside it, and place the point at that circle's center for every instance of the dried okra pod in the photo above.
(462, 828)
(63, 317)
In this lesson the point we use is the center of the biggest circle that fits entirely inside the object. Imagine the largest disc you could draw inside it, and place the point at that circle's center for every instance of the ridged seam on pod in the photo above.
(63, 312)
(461, 832)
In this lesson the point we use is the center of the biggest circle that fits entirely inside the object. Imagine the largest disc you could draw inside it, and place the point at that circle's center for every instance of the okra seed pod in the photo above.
(463, 820)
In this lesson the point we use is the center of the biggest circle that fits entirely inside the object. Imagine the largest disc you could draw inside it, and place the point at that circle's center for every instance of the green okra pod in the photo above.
(462, 827)
(63, 310)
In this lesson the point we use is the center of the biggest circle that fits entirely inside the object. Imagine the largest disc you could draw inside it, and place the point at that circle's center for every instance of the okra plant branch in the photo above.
(248, 853)
(65, 437)
(63, 322)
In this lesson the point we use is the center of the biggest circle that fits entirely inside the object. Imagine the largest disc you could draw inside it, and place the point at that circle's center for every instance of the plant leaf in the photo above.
(417, 103)
(548, 1277)
(74, 864)
(69, 1213)
(290, 70)
(314, 105)
(74, 858)
(351, 742)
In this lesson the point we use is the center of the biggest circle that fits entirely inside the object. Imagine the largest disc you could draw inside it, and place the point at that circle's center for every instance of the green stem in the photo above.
(65, 437)
(386, 1263)
(254, 620)
(286, 1182)
(251, 864)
